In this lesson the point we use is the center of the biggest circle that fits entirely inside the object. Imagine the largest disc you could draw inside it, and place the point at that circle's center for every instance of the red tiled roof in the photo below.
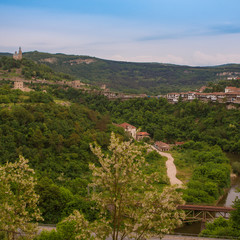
(126, 125)
(143, 134)
(233, 89)
(162, 144)
(219, 93)
(213, 93)
(229, 93)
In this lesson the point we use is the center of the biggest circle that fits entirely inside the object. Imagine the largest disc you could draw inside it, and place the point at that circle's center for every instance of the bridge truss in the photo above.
(201, 213)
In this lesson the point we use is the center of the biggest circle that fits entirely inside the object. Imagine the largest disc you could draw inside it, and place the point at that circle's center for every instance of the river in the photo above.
(227, 200)
(231, 195)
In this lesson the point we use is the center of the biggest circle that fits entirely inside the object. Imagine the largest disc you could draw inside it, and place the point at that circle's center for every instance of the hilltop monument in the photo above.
(18, 55)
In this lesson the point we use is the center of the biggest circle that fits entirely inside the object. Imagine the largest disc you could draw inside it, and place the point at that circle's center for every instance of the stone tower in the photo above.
(18, 56)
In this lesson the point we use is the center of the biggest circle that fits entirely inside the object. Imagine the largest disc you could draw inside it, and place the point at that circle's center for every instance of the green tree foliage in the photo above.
(207, 122)
(130, 204)
(221, 85)
(71, 228)
(149, 78)
(8, 63)
(225, 228)
(220, 227)
(56, 138)
(127, 197)
(236, 167)
(211, 172)
(18, 200)
(30, 69)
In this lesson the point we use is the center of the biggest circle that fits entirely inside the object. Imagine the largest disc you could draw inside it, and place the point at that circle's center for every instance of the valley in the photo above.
(54, 124)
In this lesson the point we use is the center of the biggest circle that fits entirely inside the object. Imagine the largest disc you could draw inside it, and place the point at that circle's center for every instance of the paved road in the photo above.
(177, 237)
(166, 237)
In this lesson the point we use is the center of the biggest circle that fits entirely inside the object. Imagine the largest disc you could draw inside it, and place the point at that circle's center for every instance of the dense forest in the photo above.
(56, 141)
(207, 129)
(149, 78)
(209, 122)
(209, 171)
(29, 70)
(54, 128)
(220, 86)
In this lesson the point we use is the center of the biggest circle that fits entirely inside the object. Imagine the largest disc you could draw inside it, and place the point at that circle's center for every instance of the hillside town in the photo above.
(230, 95)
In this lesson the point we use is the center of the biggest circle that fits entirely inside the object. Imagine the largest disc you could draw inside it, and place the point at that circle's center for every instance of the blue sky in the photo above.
(187, 32)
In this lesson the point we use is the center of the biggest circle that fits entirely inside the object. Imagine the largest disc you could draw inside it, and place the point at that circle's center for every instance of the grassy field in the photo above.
(184, 170)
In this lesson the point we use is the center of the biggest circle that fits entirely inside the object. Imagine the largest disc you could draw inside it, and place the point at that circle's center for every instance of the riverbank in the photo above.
(230, 194)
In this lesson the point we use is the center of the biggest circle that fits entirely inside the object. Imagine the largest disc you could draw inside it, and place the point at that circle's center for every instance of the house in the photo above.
(129, 128)
(191, 96)
(232, 89)
(233, 97)
(141, 135)
(184, 96)
(161, 146)
(173, 97)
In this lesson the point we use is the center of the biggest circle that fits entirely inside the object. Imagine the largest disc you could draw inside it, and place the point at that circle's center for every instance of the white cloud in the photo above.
(215, 59)
(113, 38)
(149, 58)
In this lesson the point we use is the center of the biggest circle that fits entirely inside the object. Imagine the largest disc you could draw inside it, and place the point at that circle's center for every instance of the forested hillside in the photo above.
(209, 122)
(56, 141)
(149, 78)
(28, 69)
(54, 128)
(207, 129)
(55, 136)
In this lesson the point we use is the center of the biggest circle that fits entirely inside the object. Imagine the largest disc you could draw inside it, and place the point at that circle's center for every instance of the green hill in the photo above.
(28, 69)
(129, 77)
(5, 54)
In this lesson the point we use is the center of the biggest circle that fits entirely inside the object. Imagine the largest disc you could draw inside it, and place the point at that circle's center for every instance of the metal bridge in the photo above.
(202, 213)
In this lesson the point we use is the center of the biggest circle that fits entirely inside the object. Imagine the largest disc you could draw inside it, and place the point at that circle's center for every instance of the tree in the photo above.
(18, 200)
(130, 204)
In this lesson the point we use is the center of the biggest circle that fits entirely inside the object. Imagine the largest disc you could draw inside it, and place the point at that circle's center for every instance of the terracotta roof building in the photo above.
(129, 128)
(141, 135)
(232, 89)
(161, 146)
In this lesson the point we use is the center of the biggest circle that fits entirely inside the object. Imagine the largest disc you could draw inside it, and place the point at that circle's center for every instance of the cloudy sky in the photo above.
(187, 32)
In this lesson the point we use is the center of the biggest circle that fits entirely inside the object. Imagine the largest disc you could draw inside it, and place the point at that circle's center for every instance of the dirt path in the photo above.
(171, 168)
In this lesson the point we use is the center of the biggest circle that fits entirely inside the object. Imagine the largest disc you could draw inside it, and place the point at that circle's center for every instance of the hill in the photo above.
(54, 125)
(129, 77)
(5, 54)
(28, 69)
(150, 78)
